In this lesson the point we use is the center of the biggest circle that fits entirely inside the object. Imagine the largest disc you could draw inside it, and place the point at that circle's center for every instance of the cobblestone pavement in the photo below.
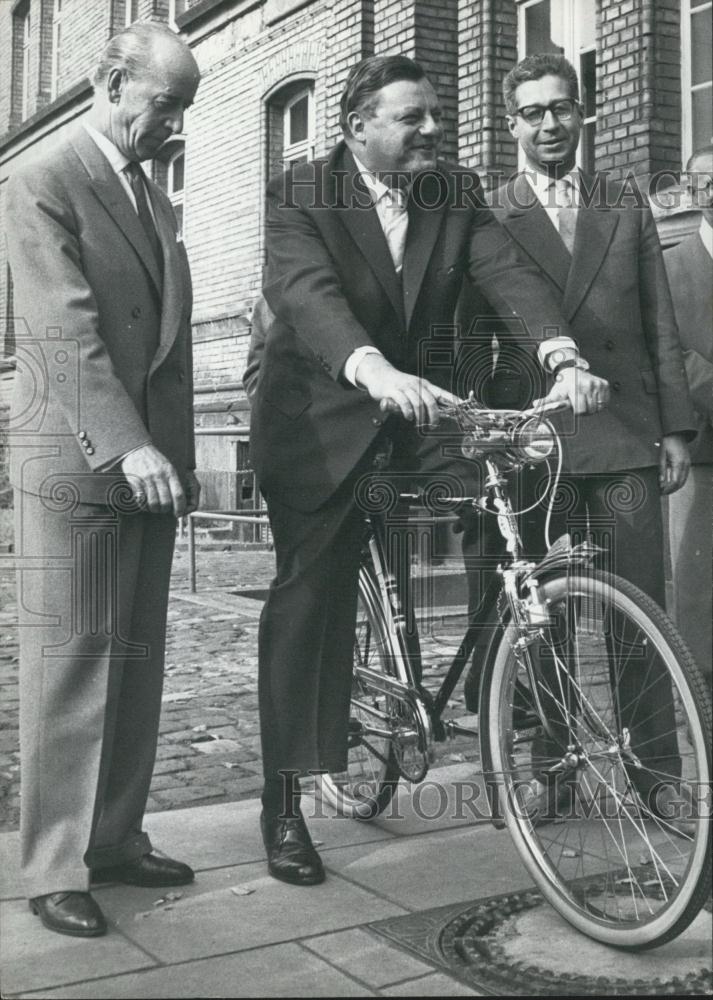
(209, 745)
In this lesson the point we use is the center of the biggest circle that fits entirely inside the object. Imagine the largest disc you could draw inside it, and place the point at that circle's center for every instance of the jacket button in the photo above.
(181, 376)
(376, 422)
(82, 435)
(90, 451)
(609, 344)
(616, 386)
(136, 312)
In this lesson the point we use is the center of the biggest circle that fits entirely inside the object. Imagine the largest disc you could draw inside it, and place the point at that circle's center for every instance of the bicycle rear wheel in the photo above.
(607, 802)
(365, 789)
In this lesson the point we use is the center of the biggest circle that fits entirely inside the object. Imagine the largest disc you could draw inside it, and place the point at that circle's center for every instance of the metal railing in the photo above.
(248, 516)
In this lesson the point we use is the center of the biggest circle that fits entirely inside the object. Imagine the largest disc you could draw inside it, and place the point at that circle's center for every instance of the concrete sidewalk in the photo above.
(221, 940)
(236, 932)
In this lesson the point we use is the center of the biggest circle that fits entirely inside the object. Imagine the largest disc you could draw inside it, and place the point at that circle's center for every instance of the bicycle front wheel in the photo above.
(367, 786)
(599, 734)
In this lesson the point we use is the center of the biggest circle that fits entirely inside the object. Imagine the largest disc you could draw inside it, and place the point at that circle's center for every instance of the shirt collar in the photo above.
(541, 183)
(375, 185)
(706, 233)
(116, 158)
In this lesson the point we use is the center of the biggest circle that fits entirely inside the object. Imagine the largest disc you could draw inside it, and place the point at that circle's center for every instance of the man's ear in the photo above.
(115, 85)
(355, 122)
(512, 125)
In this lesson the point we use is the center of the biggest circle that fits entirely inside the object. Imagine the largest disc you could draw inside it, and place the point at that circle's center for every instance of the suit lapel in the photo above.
(528, 223)
(596, 225)
(358, 215)
(423, 228)
(115, 200)
(172, 299)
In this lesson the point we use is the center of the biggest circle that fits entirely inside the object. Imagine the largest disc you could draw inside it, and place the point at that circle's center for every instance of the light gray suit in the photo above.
(104, 366)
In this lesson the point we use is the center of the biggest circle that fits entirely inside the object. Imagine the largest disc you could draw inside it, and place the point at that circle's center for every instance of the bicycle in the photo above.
(571, 652)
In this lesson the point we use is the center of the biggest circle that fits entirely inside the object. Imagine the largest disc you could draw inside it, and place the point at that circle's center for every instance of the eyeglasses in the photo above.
(534, 114)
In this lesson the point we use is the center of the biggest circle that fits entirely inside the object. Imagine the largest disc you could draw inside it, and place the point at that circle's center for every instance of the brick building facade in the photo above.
(272, 74)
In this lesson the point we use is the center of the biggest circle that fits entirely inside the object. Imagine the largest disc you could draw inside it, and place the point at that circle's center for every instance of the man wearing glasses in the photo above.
(596, 242)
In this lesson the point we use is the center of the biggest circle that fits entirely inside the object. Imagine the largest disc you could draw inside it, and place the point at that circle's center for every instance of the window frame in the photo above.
(688, 88)
(575, 46)
(173, 13)
(131, 12)
(303, 147)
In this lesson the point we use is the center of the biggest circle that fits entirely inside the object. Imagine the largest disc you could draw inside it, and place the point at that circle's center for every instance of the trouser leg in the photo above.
(118, 835)
(690, 520)
(77, 572)
(620, 512)
(306, 634)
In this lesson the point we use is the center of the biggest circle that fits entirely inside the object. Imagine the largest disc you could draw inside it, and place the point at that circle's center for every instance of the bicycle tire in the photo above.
(591, 836)
(366, 788)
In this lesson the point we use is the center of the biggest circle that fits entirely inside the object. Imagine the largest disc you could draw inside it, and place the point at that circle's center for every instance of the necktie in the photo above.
(136, 178)
(395, 224)
(566, 211)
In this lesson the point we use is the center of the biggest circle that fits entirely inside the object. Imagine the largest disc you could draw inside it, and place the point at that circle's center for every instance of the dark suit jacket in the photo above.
(332, 286)
(690, 274)
(103, 340)
(614, 294)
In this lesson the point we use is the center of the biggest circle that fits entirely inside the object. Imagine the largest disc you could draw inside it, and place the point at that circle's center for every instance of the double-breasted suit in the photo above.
(103, 366)
(613, 292)
(333, 287)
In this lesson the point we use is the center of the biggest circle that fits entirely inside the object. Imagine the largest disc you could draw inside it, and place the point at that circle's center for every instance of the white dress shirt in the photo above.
(118, 162)
(391, 211)
(544, 187)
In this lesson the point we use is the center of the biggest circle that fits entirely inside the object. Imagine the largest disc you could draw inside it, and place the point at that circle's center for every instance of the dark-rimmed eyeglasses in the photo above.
(534, 114)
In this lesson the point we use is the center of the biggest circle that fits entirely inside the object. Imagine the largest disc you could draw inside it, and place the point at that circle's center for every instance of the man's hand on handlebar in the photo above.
(414, 398)
(587, 393)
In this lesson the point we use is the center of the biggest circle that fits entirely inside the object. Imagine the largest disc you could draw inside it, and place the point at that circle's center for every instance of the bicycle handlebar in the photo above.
(514, 437)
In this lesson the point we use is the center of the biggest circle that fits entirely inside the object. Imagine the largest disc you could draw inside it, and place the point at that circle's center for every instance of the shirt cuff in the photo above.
(354, 360)
(553, 350)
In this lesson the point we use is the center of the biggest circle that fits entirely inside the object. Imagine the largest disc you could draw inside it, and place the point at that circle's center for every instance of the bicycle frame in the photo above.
(517, 580)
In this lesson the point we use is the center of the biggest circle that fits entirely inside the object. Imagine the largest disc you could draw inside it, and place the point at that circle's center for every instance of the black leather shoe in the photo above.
(291, 856)
(148, 870)
(74, 913)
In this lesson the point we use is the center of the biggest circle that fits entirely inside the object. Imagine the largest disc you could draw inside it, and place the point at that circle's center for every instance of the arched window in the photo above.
(169, 172)
(291, 125)
(298, 127)
(175, 182)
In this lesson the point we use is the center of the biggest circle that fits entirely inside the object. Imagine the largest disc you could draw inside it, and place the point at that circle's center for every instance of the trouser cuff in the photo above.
(118, 854)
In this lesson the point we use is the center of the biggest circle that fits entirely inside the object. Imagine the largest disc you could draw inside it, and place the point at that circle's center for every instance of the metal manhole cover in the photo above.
(517, 945)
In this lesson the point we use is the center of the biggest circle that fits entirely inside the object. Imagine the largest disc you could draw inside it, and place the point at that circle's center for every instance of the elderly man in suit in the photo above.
(595, 243)
(690, 273)
(102, 464)
(366, 252)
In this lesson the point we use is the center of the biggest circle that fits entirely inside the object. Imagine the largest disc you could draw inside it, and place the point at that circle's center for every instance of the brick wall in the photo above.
(487, 33)
(639, 86)
(86, 28)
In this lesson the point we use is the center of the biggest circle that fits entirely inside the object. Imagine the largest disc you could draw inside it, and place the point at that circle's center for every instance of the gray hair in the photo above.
(132, 50)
